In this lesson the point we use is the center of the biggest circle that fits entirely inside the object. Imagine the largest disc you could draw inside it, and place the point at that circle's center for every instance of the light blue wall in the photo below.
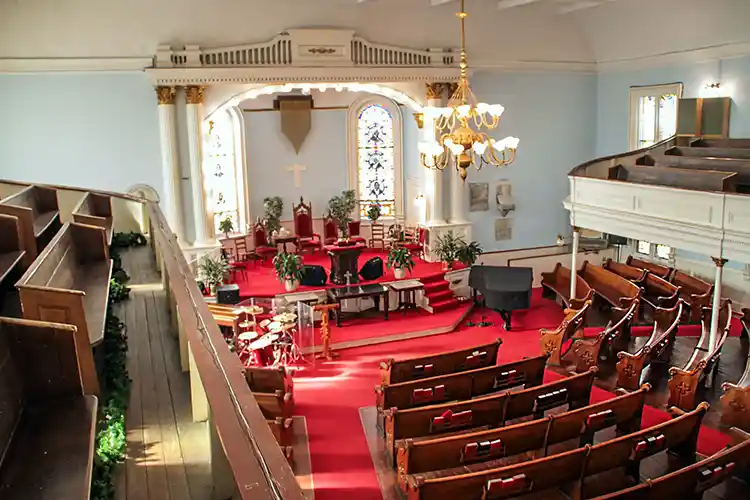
(613, 101)
(92, 130)
(554, 115)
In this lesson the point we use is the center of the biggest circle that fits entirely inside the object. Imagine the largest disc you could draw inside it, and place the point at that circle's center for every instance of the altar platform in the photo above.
(261, 281)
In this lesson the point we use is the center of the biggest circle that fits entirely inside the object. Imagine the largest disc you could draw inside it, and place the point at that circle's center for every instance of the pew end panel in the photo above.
(735, 402)
(11, 252)
(27, 240)
(95, 210)
(571, 327)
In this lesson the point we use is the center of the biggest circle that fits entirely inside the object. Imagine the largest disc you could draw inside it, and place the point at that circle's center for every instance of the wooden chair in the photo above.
(48, 426)
(416, 245)
(354, 232)
(330, 231)
(307, 239)
(263, 249)
(95, 210)
(377, 236)
(38, 215)
(236, 266)
(684, 382)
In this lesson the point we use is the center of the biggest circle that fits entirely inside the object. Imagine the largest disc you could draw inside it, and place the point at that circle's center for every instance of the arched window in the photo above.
(375, 162)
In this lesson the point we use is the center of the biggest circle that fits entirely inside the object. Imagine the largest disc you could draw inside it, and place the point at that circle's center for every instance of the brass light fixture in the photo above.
(461, 125)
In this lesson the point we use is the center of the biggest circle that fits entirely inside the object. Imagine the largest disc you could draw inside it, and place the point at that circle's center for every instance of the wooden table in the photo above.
(357, 292)
(344, 263)
(407, 293)
(284, 240)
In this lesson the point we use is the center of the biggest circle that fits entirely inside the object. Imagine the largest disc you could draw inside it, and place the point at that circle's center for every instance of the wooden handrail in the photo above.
(260, 470)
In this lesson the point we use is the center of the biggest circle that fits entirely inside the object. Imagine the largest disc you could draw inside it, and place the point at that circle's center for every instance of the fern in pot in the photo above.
(340, 209)
(273, 207)
(226, 225)
(468, 253)
(374, 212)
(447, 247)
(288, 269)
(399, 259)
(213, 272)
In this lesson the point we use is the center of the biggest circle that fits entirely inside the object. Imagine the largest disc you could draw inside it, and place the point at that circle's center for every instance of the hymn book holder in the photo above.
(503, 488)
(421, 371)
(509, 379)
(483, 450)
(548, 401)
(712, 475)
(596, 422)
(450, 420)
(475, 359)
(428, 395)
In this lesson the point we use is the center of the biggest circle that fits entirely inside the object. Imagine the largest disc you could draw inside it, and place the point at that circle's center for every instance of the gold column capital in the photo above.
(165, 95)
(194, 94)
(719, 262)
(434, 91)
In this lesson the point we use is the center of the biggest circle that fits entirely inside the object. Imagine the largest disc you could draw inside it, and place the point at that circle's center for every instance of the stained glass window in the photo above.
(220, 175)
(376, 160)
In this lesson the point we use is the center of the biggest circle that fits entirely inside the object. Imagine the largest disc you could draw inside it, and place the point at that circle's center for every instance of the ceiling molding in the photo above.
(692, 56)
(82, 64)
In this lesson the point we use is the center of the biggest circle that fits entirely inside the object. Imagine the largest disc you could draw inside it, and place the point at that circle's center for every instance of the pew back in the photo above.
(95, 210)
(615, 289)
(38, 215)
(656, 269)
(11, 253)
(558, 282)
(634, 274)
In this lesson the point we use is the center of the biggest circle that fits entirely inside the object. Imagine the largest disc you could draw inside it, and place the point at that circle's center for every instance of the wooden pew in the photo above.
(277, 404)
(709, 152)
(95, 210)
(38, 217)
(635, 275)
(658, 348)
(735, 402)
(482, 480)
(614, 289)
(282, 430)
(47, 425)
(528, 372)
(69, 283)
(740, 166)
(492, 410)
(266, 379)
(659, 292)
(592, 351)
(392, 371)
(11, 253)
(557, 285)
(552, 342)
(696, 293)
(683, 382)
(692, 481)
(415, 456)
(655, 269)
(683, 178)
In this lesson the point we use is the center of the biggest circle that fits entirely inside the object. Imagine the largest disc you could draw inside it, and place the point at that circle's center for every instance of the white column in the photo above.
(171, 196)
(194, 99)
(434, 180)
(573, 263)
(714, 334)
(459, 201)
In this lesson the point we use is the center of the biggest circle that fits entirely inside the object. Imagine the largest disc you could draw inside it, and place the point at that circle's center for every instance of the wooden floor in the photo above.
(168, 454)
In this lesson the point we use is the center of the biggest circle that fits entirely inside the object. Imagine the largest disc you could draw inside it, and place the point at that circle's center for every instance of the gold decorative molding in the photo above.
(321, 50)
(452, 87)
(194, 94)
(719, 262)
(419, 117)
(165, 95)
(434, 90)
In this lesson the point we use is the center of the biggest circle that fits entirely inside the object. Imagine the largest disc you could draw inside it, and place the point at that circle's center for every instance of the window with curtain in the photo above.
(220, 174)
(376, 160)
(653, 114)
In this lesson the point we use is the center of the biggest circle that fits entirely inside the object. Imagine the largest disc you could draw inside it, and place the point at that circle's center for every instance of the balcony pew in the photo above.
(528, 372)
(492, 410)
(635, 275)
(592, 351)
(552, 342)
(277, 404)
(655, 269)
(698, 151)
(95, 210)
(614, 289)
(69, 283)
(486, 481)
(691, 481)
(696, 293)
(419, 455)
(393, 371)
(740, 166)
(683, 178)
(263, 379)
(684, 382)
(735, 402)
(38, 217)
(11, 253)
(557, 285)
(657, 349)
(47, 425)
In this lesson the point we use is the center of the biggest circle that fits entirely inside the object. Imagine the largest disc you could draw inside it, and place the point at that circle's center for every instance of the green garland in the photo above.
(111, 441)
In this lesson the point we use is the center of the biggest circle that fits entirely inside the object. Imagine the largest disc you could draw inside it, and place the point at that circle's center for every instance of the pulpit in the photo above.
(344, 265)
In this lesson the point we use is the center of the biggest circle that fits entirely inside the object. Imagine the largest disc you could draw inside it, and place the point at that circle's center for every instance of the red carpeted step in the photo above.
(436, 286)
(444, 305)
(440, 295)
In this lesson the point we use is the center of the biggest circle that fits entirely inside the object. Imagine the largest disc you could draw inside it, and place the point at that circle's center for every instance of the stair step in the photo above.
(444, 305)
(436, 286)
(439, 295)
(432, 279)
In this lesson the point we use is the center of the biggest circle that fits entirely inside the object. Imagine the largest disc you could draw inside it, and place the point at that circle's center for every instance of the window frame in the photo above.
(635, 94)
(652, 253)
(352, 131)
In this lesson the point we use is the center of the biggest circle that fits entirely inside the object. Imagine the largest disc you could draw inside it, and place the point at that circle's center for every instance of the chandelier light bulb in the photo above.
(479, 148)
(463, 111)
(496, 109)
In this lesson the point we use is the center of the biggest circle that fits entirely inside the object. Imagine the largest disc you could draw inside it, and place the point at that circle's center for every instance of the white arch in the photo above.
(144, 191)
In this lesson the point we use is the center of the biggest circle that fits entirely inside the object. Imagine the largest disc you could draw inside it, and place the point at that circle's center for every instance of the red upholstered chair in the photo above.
(330, 231)
(303, 227)
(262, 247)
(354, 232)
(416, 246)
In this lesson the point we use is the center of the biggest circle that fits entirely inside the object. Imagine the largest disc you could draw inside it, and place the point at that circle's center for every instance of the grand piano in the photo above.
(504, 289)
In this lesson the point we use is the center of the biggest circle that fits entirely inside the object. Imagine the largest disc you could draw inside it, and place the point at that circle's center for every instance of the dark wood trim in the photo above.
(316, 108)
(494, 252)
(73, 188)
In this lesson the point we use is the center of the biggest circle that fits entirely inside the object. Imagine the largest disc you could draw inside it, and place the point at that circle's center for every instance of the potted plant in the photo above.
(399, 259)
(374, 212)
(273, 207)
(212, 272)
(446, 249)
(226, 225)
(468, 253)
(288, 269)
(340, 209)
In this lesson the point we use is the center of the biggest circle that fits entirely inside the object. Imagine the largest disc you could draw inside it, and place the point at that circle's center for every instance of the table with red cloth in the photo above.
(344, 262)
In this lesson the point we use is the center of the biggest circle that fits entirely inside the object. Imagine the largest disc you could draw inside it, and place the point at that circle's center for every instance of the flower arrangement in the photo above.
(213, 271)
(374, 212)
(226, 225)
(400, 260)
(288, 268)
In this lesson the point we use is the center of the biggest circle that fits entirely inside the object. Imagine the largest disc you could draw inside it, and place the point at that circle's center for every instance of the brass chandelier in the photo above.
(460, 127)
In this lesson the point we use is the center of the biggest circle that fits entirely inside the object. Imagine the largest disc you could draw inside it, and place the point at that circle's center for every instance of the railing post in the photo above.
(198, 401)
(574, 263)
(222, 479)
(714, 333)
(185, 356)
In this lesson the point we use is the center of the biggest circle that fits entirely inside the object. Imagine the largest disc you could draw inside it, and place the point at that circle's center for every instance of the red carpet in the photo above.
(330, 395)
(261, 279)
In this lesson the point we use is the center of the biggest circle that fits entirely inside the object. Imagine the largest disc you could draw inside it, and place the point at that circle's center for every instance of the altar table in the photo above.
(373, 290)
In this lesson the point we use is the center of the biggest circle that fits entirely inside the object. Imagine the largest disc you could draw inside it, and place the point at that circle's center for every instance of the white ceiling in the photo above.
(565, 32)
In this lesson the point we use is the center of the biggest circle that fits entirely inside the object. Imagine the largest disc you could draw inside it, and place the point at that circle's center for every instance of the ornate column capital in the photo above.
(194, 94)
(452, 87)
(719, 262)
(434, 91)
(165, 95)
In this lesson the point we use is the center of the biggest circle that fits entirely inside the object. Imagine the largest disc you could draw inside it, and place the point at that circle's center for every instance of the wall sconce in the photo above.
(419, 117)
(712, 90)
